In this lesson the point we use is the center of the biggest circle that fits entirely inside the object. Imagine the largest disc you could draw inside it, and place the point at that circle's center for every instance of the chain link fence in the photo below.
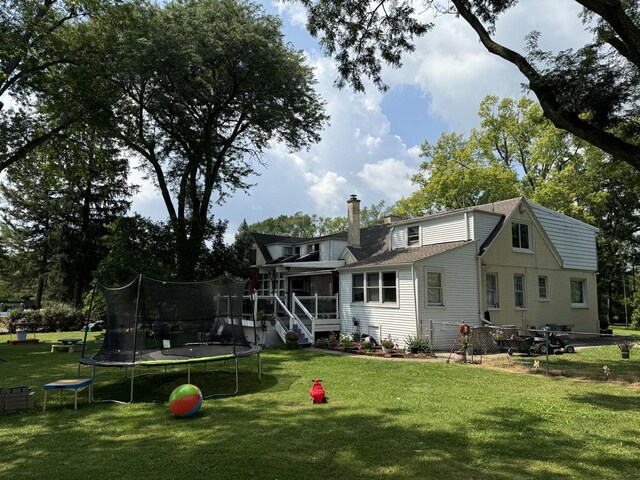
(560, 353)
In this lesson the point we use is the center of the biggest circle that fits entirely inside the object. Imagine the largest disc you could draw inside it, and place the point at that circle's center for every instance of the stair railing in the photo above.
(293, 321)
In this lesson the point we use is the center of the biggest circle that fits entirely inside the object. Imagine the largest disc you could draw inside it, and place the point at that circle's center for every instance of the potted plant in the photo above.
(388, 344)
(332, 341)
(625, 348)
(346, 341)
(291, 338)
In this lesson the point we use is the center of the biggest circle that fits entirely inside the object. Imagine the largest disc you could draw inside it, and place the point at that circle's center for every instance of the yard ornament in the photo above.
(317, 392)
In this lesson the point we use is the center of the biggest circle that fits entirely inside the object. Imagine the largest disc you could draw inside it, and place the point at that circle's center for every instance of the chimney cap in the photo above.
(353, 197)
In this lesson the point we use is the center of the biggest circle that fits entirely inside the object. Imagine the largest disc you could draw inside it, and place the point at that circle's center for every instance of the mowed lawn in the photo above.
(386, 418)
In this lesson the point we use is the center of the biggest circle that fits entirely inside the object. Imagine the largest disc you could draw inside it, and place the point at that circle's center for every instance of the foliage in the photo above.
(418, 344)
(53, 317)
(215, 83)
(346, 339)
(291, 339)
(58, 201)
(591, 92)
(389, 342)
(625, 345)
(306, 226)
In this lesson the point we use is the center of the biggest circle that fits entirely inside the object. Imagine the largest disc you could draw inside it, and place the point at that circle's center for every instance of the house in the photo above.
(514, 262)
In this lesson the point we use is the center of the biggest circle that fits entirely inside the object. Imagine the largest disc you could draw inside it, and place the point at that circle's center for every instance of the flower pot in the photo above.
(625, 353)
(387, 349)
(459, 357)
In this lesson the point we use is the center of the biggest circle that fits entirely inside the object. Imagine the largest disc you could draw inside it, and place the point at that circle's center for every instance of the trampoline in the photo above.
(157, 323)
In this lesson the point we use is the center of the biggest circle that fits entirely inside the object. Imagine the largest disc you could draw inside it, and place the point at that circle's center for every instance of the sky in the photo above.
(371, 146)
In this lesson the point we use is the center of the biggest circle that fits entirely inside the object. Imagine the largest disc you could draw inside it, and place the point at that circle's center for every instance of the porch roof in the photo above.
(406, 256)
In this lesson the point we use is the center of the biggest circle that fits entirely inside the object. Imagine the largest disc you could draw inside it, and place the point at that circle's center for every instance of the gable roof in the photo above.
(406, 256)
(263, 239)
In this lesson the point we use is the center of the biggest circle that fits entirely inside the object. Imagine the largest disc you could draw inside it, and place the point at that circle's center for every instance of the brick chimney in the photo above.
(353, 216)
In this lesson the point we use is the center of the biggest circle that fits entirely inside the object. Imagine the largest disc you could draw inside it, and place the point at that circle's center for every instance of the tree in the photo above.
(36, 40)
(456, 175)
(201, 87)
(58, 201)
(591, 93)
(303, 225)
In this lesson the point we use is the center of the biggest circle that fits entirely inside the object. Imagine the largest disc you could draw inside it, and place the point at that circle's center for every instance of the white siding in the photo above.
(378, 320)
(336, 248)
(574, 240)
(448, 229)
(325, 251)
(482, 225)
(460, 290)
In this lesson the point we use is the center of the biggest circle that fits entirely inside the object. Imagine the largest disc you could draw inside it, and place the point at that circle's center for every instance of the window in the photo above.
(492, 290)
(288, 251)
(434, 288)
(413, 236)
(253, 256)
(578, 292)
(543, 288)
(374, 287)
(520, 238)
(389, 287)
(518, 291)
(357, 287)
(314, 247)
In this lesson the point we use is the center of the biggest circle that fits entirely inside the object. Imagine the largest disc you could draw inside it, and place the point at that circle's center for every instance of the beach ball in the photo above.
(185, 400)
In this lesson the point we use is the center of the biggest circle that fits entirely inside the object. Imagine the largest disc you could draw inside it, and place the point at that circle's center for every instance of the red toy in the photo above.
(317, 392)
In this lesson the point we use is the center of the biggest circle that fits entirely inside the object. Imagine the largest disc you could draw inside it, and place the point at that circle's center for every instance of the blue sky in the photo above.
(372, 143)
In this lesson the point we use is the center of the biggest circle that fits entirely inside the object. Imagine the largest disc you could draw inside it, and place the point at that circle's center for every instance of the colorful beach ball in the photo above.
(185, 400)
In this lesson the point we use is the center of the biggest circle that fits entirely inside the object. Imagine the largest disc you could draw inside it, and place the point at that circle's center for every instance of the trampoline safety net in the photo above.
(176, 320)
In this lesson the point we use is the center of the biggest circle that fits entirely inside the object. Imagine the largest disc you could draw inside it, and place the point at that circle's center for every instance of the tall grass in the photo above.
(385, 419)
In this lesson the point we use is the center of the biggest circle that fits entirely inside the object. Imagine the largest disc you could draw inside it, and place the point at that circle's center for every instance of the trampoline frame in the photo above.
(254, 349)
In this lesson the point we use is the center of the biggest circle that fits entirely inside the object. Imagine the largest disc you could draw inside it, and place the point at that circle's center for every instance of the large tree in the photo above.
(591, 92)
(199, 88)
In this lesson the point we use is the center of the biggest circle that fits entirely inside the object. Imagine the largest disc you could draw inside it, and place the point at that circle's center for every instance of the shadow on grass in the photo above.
(609, 401)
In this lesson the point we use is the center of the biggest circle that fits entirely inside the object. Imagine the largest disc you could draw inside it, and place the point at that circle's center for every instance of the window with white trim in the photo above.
(374, 287)
(521, 236)
(434, 289)
(413, 236)
(492, 290)
(543, 288)
(519, 291)
(578, 292)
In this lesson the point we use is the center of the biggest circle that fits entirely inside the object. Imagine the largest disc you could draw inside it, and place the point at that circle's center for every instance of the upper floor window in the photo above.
(578, 292)
(434, 289)
(314, 247)
(413, 236)
(374, 287)
(543, 288)
(492, 290)
(518, 291)
(287, 250)
(521, 236)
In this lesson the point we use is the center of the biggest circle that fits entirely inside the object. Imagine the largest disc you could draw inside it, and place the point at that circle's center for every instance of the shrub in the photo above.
(54, 317)
(418, 344)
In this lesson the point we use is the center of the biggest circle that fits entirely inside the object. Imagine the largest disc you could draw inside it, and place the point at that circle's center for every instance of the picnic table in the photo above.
(68, 344)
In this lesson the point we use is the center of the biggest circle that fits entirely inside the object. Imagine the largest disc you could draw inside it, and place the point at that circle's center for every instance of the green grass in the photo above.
(385, 419)
(621, 330)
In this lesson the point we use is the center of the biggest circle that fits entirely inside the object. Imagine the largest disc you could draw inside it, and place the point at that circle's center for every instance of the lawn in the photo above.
(385, 419)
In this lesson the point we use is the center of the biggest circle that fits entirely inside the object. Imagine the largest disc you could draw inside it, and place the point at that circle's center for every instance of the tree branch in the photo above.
(559, 116)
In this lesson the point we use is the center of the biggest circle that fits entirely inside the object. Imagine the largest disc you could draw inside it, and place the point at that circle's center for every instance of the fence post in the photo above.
(431, 335)
(546, 341)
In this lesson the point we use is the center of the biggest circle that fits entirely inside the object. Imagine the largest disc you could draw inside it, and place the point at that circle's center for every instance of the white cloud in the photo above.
(327, 192)
(390, 177)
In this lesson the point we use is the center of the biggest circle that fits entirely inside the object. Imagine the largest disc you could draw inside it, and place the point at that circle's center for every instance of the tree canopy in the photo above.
(591, 92)
(198, 89)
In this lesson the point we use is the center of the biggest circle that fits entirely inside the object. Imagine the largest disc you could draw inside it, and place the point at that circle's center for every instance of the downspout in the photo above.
(479, 270)
(415, 301)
